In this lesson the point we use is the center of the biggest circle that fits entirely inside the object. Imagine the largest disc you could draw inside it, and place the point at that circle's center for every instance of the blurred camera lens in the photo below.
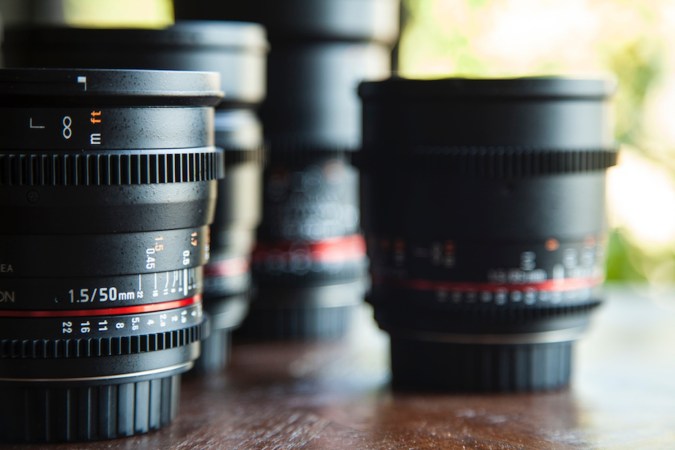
(321, 50)
(309, 262)
(107, 187)
(483, 205)
(235, 50)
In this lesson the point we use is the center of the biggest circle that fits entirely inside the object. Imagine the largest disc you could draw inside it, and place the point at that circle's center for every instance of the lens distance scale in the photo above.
(103, 128)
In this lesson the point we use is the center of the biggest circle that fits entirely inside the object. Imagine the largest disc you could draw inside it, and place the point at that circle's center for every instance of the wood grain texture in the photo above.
(336, 396)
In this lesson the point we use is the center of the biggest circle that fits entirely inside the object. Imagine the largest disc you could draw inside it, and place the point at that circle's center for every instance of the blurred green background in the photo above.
(631, 40)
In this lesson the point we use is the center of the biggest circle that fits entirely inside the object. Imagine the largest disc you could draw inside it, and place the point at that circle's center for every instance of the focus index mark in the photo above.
(95, 117)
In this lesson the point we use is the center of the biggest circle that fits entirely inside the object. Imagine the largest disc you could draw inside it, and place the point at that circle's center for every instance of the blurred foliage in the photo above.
(629, 39)
(623, 263)
(638, 66)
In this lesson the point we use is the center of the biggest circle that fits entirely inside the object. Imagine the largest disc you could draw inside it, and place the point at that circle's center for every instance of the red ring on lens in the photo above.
(557, 285)
(333, 250)
(124, 310)
(230, 267)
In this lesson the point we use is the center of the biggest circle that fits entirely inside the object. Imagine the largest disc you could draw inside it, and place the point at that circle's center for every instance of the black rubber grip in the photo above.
(490, 368)
(84, 412)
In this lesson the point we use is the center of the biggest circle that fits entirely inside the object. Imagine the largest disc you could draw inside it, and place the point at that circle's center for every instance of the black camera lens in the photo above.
(348, 20)
(483, 206)
(309, 264)
(321, 50)
(107, 187)
(237, 51)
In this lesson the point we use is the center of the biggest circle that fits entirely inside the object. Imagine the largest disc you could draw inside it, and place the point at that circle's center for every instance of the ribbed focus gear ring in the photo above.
(504, 161)
(94, 347)
(109, 168)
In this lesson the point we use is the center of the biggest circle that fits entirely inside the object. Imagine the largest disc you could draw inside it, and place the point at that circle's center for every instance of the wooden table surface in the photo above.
(335, 396)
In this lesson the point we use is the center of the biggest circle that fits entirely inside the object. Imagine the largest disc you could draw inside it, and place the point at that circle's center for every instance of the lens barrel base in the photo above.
(215, 353)
(309, 323)
(425, 365)
(303, 313)
(80, 412)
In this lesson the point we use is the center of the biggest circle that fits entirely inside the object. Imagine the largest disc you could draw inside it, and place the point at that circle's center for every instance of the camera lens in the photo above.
(348, 20)
(237, 51)
(483, 206)
(309, 263)
(321, 50)
(107, 184)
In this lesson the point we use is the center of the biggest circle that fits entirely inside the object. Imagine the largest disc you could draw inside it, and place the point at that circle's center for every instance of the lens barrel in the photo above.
(309, 20)
(309, 264)
(108, 184)
(321, 50)
(483, 205)
(237, 51)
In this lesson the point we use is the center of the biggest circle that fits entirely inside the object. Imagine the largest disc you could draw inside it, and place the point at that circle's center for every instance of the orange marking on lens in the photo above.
(552, 244)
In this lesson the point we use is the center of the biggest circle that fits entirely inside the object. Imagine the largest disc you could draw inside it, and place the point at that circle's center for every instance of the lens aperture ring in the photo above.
(103, 322)
(121, 330)
(106, 168)
(547, 295)
(500, 161)
(510, 314)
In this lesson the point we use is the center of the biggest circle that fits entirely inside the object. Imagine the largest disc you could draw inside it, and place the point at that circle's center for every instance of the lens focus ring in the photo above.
(107, 168)
(504, 161)
(99, 347)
